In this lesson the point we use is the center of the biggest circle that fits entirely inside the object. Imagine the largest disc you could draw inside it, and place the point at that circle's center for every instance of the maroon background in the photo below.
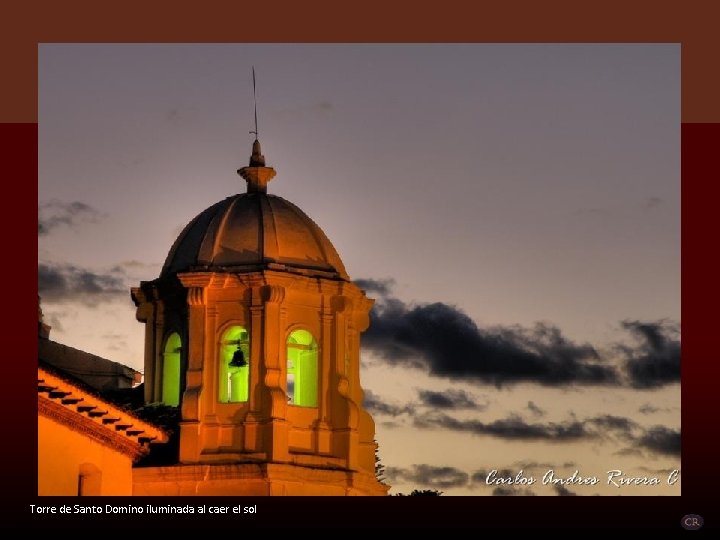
(700, 372)
(24, 24)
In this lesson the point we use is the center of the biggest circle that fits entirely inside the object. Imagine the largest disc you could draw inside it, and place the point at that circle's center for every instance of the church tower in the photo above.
(253, 331)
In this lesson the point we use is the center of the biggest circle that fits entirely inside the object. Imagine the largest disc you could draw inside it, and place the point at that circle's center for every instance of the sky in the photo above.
(513, 209)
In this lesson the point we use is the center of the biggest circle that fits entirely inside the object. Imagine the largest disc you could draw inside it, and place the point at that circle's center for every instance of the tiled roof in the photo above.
(84, 411)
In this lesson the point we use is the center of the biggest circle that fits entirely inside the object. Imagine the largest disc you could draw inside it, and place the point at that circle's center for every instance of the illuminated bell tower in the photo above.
(253, 330)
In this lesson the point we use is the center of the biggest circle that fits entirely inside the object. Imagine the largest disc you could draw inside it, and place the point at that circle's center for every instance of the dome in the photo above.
(254, 231)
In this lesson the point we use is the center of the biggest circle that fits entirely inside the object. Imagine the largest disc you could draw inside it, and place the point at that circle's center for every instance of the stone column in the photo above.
(190, 433)
(323, 425)
(276, 428)
(252, 437)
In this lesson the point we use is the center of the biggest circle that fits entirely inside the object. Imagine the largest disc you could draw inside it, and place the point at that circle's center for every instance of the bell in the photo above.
(238, 359)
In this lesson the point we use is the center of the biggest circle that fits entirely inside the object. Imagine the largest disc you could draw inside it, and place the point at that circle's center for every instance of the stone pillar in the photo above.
(190, 432)
(276, 428)
(158, 328)
(323, 426)
(145, 313)
(252, 436)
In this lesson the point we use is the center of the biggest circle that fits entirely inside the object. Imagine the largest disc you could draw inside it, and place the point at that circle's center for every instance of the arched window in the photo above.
(89, 480)
(234, 365)
(171, 371)
(302, 369)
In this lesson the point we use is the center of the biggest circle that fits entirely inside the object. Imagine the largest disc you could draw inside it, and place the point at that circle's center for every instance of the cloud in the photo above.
(428, 476)
(635, 452)
(63, 282)
(527, 465)
(480, 477)
(646, 408)
(55, 322)
(382, 287)
(445, 341)
(56, 213)
(512, 427)
(563, 491)
(505, 491)
(449, 399)
(657, 439)
(609, 422)
(655, 361)
(374, 404)
(534, 409)
(661, 440)
(442, 340)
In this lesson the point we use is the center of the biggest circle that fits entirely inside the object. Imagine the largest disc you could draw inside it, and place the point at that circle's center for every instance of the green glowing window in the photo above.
(302, 369)
(171, 371)
(234, 365)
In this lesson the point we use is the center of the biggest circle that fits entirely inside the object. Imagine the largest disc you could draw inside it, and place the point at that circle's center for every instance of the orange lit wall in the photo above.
(64, 454)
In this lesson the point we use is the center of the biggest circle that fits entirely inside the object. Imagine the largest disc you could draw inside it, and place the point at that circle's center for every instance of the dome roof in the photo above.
(254, 231)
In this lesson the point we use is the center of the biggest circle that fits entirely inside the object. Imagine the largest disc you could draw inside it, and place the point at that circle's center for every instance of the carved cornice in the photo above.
(97, 432)
(196, 296)
(137, 295)
(196, 279)
(272, 294)
(88, 414)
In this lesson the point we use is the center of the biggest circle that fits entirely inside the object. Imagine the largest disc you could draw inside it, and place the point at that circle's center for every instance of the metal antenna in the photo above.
(255, 100)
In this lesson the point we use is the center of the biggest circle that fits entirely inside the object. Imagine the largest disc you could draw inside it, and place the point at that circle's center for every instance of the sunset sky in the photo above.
(514, 210)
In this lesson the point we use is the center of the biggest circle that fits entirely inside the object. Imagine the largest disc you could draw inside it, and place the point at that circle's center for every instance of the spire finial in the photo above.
(255, 102)
(257, 175)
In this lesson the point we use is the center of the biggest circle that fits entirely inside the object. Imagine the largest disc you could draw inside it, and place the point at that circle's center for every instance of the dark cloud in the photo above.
(56, 213)
(512, 427)
(376, 286)
(661, 440)
(656, 471)
(537, 411)
(449, 399)
(563, 491)
(374, 404)
(480, 477)
(609, 422)
(55, 322)
(62, 282)
(428, 476)
(657, 439)
(655, 361)
(646, 408)
(505, 491)
(444, 341)
(448, 343)
(527, 465)
(635, 452)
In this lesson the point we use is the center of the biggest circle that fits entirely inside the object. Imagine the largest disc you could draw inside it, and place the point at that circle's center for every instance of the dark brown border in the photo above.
(692, 23)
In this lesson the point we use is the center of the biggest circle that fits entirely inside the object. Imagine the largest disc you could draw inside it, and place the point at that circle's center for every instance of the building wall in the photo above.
(63, 454)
